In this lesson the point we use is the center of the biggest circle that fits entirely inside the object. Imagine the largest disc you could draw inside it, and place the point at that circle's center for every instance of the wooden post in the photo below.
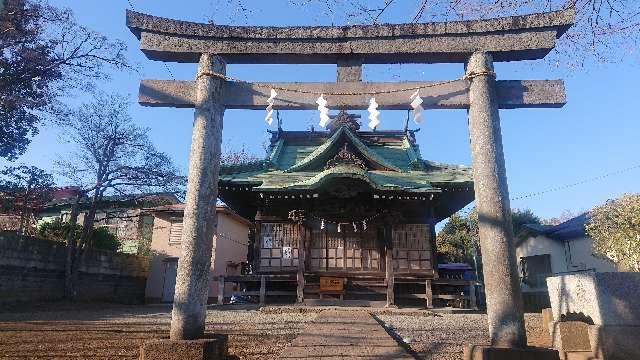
(263, 289)
(200, 220)
(301, 259)
(428, 294)
(257, 243)
(472, 295)
(220, 289)
(389, 265)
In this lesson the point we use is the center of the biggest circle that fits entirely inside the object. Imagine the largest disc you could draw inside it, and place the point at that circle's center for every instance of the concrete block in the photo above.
(570, 336)
(547, 319)
(609, 298)
(214, 347)
(480, 352)
(615, 342)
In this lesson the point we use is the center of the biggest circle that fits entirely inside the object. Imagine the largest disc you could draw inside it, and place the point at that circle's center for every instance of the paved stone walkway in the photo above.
(344, 335)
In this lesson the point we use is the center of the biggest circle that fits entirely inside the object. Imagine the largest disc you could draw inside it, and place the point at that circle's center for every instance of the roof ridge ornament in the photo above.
(344, 119)
(346, 157)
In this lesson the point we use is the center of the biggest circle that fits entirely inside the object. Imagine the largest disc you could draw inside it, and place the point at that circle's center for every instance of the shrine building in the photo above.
(344, 203)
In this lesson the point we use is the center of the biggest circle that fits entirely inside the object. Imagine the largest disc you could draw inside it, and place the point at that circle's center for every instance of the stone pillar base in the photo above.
(483, 352)
(213, 347)
(615, 342)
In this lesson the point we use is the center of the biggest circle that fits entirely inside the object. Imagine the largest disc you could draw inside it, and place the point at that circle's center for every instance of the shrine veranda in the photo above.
(347, 202)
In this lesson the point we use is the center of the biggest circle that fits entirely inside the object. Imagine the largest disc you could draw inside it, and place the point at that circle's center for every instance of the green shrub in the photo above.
(103, 239)
(58, 230)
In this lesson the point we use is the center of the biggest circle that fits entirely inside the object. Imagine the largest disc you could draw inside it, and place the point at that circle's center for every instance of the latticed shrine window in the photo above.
(277, 235)
(411, 248)
(279, 246)
(411, 236)
(317, 238)
(361, 239)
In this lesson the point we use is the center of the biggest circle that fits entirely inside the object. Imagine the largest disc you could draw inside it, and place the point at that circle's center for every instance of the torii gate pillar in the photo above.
(200, 220)
(504, 302)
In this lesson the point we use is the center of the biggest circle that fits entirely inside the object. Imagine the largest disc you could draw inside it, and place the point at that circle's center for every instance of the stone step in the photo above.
(347, 351)
(580, 355)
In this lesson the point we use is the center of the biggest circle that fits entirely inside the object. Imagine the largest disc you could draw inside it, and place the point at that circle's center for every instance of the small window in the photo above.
(175, 232)
(535, 270)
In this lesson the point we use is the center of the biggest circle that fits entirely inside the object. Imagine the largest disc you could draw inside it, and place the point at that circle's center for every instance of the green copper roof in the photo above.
(388, 161)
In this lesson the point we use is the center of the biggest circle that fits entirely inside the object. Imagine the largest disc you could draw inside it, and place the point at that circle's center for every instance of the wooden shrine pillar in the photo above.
(428, 294)
(200, 220)
(220, 289)
(389, 275)
(302, 246)
(502, 283)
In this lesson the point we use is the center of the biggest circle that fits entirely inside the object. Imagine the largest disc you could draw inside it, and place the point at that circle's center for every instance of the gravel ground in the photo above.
(443, 336)
(59, 331)
(108, 332)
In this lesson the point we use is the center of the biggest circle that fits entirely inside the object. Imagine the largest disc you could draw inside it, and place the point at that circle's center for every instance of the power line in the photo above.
(581, 182)
(562, 187)
(168, 70)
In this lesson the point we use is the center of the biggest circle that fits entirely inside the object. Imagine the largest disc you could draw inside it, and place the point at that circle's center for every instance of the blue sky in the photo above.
(597, 132)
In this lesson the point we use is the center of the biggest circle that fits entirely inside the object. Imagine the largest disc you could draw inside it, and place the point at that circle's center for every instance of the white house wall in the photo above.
(582, 257)
(541, 245)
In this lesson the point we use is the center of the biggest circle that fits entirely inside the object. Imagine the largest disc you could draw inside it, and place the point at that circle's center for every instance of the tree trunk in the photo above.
(75, 250)
(69, 283)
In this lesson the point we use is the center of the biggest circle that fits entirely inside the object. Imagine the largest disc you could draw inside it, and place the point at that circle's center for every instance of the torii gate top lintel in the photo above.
(507, 38)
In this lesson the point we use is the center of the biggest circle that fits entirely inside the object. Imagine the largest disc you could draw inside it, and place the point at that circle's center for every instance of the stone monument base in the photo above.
(483, 352)
(212, 347)
(615, 342)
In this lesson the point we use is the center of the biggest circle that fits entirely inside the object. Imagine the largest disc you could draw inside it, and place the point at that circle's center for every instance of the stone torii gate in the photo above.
(477, 44)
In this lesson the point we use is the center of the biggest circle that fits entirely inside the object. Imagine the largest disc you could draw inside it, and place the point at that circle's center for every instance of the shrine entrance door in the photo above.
(347, 250)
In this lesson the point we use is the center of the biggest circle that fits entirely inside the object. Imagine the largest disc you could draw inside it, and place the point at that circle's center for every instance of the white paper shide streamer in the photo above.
(324, 110)
(373, 113)
(416, 104)
(269, 109)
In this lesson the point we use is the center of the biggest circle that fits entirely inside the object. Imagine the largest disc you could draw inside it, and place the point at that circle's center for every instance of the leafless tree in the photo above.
(237, 156)
(113, 156)
(23, 191)
(605, 30)
(45, 54)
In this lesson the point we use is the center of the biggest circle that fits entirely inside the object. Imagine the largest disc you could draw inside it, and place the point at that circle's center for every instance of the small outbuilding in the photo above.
(548, 250)
(230, 246)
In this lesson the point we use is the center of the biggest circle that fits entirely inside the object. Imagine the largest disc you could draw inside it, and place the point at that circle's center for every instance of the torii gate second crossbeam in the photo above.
(475, 43)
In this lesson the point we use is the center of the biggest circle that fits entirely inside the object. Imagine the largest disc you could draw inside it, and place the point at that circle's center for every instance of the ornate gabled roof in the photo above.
(306, 160)
(346, 163)
(339, 143)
